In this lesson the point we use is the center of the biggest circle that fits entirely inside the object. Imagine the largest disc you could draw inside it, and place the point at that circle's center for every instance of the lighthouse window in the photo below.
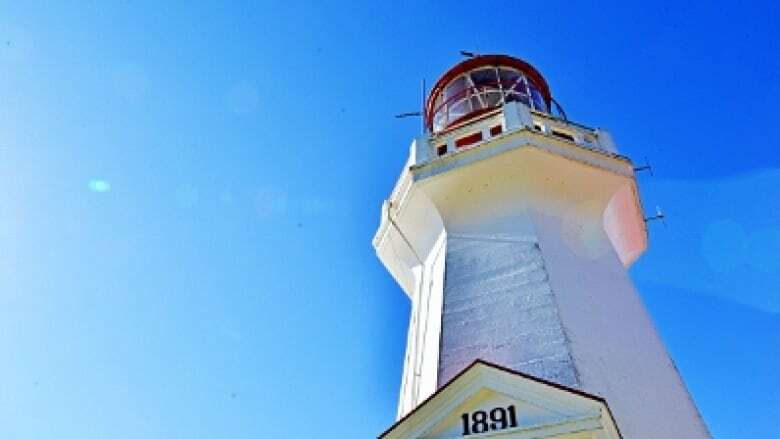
(507, 77)
(486, 82)
(476, 101)
(519, 86)
(457, 100)
(517, 91)
(459, 109)
(469, 140)
(515, 97)
(484, 77)
(493, 97)
(536, 97)
(456, 89)
(563, 135)
(438, 120)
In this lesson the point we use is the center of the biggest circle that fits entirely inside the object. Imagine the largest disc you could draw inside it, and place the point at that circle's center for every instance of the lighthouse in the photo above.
(511, 229)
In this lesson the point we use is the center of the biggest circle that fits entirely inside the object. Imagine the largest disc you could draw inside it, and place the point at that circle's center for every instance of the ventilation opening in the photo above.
(469, 140)
(563, 135)
(496, 130)
(537, 127)
(441, 150)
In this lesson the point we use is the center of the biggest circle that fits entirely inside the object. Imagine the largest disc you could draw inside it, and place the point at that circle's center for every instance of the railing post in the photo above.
(516, 116)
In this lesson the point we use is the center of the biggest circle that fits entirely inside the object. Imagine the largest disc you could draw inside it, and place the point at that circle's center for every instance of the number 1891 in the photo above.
(480, 421)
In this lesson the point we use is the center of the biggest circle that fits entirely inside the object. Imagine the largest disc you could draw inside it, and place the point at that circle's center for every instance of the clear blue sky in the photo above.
(189, 192)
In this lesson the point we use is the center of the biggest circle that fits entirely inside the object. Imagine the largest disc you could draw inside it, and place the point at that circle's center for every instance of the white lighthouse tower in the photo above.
(511, 230)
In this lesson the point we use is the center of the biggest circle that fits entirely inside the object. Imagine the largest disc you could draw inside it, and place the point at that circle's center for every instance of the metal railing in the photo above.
(544, 123)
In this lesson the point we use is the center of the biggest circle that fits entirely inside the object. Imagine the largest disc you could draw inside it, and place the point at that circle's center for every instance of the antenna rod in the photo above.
(646, 167)
(659, 215)
(422, 107)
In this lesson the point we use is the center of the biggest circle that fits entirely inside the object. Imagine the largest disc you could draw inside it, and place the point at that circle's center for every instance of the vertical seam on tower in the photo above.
(441, 314)
(566, 338)
(418, 373)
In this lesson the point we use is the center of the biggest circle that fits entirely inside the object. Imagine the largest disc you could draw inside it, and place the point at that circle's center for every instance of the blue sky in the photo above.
(190, 191)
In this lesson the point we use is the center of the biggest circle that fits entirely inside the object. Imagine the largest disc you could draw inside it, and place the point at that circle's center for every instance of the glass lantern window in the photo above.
(481, 89)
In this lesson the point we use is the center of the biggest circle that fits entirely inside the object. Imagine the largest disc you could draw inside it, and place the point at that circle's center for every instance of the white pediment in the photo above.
(486, 401)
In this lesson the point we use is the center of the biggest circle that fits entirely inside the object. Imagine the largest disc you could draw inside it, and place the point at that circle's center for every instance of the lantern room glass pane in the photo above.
(517, 97)
(438, 121)
(520, 87)
(458, 110)
(476, 102)
(493, 98)
(508, 77)
(486, 83)
(485, 78)
(437, 105)
(456, 89)
(537, 99)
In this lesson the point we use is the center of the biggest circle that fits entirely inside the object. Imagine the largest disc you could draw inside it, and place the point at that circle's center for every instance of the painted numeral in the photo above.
(479, 421)
(498, 416)
(512, 416)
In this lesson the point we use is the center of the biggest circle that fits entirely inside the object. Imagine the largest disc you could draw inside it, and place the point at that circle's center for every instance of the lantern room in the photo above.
(480, 84)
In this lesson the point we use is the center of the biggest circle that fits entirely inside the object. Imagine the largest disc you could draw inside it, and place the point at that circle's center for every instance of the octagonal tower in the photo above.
(511, 230)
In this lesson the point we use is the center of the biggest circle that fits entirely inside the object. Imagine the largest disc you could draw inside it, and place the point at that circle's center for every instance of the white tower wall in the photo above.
(514, 251)
(617, 352)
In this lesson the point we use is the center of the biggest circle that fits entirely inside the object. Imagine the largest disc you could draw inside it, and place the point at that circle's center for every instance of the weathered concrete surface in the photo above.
(499, 307)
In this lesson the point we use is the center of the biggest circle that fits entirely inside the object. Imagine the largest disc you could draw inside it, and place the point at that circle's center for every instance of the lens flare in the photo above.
(99, 186)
